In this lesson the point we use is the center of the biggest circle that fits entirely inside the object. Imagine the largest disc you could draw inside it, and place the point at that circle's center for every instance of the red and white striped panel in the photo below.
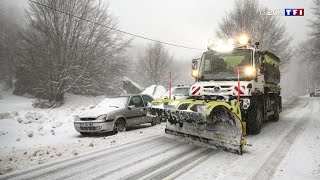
(242, 91)
(195, 91)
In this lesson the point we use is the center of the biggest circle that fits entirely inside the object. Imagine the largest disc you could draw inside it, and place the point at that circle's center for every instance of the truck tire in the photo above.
(254, 119)
(275, 117)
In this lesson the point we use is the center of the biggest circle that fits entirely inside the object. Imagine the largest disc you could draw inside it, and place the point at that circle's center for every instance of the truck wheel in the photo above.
(275, 116)
(254, 119)
(119, 126)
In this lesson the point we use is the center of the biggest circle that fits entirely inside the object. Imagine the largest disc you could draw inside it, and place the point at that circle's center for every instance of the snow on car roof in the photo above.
(117, 101)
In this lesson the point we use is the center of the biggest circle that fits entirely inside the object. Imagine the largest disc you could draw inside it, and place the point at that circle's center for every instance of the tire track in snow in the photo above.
(297, 104)
(163, 163)
(105, 174)
(77, 159)
(176, 170)
(105, 161)
(269, 167)
(72, 169)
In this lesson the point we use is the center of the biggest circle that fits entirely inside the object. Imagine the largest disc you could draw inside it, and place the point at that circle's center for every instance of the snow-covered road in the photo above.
(288, 149)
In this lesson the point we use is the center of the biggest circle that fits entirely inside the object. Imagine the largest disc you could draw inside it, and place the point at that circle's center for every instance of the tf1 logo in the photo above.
(294, 12)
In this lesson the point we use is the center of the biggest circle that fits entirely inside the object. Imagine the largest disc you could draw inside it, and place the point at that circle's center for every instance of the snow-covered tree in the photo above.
(247, 17)
(9, 45)
(154, 64)
(309, 51)
(74, 51)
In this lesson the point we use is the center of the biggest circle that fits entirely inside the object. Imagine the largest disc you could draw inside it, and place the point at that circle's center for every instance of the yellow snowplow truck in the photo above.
(234, 92)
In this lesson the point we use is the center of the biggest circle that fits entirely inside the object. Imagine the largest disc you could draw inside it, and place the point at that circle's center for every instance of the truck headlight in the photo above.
(249, 71)
(194, 73)
(243, 39)
(102, 117)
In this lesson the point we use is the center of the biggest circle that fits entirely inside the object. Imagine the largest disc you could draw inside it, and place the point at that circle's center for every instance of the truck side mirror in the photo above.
(194, 72)
(194, 64)
(262, 64)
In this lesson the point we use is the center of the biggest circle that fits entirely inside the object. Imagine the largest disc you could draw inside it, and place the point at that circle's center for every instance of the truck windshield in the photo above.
(223, 66)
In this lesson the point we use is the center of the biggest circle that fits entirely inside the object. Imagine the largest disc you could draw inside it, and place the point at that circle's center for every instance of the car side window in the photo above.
(136, 101)
(147, 99)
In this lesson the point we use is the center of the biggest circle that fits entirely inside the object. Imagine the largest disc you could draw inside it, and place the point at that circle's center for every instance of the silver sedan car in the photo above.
(115, 114)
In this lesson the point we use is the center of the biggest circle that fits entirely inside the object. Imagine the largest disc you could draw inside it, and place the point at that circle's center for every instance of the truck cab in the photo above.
(245, 73)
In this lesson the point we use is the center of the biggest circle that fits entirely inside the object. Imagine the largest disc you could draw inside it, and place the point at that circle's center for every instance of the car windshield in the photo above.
(118, 102)
(180, 91)
(223, 66)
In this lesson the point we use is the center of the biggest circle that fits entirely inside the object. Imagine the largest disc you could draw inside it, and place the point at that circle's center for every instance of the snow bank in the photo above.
(31, 136)
(155, 91)
(135, 84)
(23, 126)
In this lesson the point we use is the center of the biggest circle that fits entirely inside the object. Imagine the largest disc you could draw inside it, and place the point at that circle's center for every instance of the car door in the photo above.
(146, 99)
(136, 115)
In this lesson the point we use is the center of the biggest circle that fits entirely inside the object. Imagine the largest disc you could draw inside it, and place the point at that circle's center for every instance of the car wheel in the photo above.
(120, 125)
(154, 122)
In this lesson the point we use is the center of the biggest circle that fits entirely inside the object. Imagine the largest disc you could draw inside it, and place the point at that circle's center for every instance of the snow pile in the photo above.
(155, 91)
(131, 87)
(23, 126)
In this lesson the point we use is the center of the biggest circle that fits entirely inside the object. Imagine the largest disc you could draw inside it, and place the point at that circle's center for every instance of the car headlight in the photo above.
(76, 118)
(102, 117)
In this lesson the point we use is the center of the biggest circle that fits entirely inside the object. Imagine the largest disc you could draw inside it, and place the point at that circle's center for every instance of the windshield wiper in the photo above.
(114, 106)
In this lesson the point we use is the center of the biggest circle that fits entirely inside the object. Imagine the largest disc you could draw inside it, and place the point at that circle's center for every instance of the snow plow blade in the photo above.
(216, 123)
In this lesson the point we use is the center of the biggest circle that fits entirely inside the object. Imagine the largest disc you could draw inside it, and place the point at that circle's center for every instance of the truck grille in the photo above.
(87, 119)
(223, 89)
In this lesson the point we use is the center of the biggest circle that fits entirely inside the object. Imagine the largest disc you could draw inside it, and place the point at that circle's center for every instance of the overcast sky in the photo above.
(192, 22)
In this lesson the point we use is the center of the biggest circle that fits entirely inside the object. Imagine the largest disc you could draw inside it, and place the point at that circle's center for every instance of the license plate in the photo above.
(85, 124)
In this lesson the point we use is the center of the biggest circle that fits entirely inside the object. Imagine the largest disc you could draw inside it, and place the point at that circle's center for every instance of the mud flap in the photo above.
(220, 128)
